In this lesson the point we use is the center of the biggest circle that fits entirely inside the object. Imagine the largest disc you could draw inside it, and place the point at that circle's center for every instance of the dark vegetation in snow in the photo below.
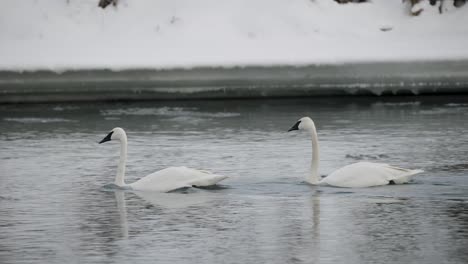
(415, 10)
(105, 3)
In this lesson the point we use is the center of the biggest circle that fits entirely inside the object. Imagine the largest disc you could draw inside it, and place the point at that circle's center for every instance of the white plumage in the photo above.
(173, 178)
(361, 174)
(165, 180)
(366, 174)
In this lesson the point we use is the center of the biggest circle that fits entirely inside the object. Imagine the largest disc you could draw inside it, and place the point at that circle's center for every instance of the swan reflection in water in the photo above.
(122, 208)
(164, 201)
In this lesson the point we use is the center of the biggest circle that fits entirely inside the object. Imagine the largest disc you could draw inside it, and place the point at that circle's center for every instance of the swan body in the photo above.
(360, 174)
(173, 178)
(366, 174)
(165, 180)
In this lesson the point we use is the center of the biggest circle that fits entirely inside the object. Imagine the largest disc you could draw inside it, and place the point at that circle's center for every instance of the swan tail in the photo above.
(212, 179)
(405, 176)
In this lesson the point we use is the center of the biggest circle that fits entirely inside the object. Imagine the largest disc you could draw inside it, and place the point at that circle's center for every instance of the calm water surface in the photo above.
(53, 208)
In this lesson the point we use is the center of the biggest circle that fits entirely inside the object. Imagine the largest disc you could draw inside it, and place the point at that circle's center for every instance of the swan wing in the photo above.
(367, 174)
(173, 178)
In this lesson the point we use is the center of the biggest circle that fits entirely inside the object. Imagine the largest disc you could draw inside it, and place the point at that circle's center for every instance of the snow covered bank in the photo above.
(63, 35)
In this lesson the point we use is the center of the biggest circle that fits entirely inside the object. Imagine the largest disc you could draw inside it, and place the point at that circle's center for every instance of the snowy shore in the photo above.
(59, 35)
(57, 50)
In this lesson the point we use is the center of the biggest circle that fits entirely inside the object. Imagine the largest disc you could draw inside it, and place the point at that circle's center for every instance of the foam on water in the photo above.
(167, 111)
(64, 108)
(32, 120)
(396, 104)
(456, 105)
(445, 111)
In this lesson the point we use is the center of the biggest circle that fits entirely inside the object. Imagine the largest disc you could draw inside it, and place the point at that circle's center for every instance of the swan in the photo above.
(165, 180)
(360, 174)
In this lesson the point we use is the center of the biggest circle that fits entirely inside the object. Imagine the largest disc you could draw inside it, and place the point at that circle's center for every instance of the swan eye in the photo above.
(295, 127)
(107, 138)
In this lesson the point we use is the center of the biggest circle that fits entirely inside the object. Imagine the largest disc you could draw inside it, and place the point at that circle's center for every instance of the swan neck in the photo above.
(314, 175)
(119, 179)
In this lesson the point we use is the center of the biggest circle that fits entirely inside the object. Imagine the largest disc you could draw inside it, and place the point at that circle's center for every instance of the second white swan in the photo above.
(165, 180)
(361, 174)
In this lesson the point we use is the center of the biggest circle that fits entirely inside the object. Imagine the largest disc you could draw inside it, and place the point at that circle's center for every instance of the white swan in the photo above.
(361, 174)
(165, 180)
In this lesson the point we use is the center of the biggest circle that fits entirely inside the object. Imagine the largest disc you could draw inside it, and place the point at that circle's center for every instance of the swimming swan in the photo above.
(165, 180)
(360, 174)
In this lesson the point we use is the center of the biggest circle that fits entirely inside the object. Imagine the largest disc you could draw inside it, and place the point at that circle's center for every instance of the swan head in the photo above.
(304, 123)
(116, 133)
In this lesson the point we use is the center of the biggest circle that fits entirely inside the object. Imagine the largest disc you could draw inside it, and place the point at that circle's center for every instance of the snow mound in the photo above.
(68, 35)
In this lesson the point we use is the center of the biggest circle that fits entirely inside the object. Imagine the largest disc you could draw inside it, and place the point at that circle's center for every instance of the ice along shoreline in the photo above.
(389, 78)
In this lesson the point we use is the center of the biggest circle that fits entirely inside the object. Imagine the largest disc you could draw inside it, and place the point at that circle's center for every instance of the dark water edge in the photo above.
(376, 79)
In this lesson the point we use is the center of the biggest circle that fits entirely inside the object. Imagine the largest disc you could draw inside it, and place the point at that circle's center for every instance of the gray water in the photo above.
(54, 209)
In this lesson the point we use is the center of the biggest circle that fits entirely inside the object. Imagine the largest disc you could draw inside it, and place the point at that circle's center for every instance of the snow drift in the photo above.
(62, 35)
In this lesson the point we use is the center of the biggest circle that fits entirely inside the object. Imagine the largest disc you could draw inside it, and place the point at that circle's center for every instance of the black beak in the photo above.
(107, 138)
(295, 127)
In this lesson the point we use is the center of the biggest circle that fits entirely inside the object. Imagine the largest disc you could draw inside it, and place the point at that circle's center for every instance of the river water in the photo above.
(54, 209)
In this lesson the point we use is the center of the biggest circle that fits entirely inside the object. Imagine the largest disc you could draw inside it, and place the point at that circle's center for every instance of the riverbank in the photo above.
(157, 34)
(403, 78)
(158, 50)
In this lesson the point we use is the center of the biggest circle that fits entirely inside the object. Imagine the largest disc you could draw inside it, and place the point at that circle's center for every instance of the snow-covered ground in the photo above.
(75, 34)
